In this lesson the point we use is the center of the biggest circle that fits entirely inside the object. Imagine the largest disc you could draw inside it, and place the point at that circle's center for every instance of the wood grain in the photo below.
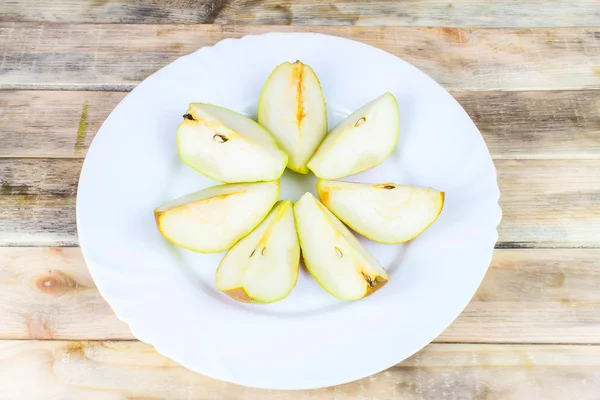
(118, 57)
(555, 124)
(528, 90)
(545, 203)
(527, 296)
(458, 13)
(133, 370)
(37, 220)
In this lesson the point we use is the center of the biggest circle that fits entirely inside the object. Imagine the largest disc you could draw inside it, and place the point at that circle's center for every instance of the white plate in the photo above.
(310, 339)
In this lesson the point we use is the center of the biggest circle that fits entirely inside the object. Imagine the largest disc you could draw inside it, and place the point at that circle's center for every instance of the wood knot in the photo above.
(56, 283)
(75, 351)
(454, 35)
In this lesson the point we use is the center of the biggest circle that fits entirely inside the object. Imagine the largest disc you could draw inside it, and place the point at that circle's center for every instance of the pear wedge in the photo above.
(385, 213)
(215, 218)
(227, 146)
(361, 141)
(263, 266)
(292, 108)
(332, 254)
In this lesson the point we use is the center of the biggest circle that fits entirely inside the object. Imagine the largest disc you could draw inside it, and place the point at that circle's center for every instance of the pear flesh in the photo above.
(292, 108)
(385, 213)
(263, 266)
(362, 141)
(227, 146)
(214, 219)
(335, 258)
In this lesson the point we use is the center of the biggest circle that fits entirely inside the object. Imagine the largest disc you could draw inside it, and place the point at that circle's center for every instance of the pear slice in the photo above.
(333, 255)
(263, 266)
(363, 140)
(215, 218)
(228, 147)
(386, 213)
(292, 108)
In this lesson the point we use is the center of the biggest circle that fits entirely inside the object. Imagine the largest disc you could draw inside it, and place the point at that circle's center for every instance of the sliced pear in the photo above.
(361, 141)
(263, 266)
(215, 218)
(227, 146)
(292, 108)
(333, 255)
(386, 213)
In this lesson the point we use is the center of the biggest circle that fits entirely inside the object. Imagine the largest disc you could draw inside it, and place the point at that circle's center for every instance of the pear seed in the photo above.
(251, 254)
(339, 252)
(371, 282)
(389, 186)
(188, 116)
(220, 138)
(360, 122)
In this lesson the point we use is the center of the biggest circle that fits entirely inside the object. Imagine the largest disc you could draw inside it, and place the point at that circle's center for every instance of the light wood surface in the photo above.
(515, 125)
(545, 203)
(118, 57)
(458, 13)
(527, 72)
(527, 296)
(133, 370)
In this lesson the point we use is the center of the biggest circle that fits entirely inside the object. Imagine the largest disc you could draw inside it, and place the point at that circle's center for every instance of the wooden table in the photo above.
(527, 72)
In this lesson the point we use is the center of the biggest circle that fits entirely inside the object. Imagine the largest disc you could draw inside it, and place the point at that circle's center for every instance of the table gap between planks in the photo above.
(528, 73)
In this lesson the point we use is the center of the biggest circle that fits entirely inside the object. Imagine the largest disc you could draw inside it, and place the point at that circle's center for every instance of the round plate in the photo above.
(310, 339)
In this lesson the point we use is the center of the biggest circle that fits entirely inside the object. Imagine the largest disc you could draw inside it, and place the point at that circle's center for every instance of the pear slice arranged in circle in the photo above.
(228, 146)
(333, 255)
(263, 266)
(362, 141)
(385, 213)
(292, 108)
(215, 218)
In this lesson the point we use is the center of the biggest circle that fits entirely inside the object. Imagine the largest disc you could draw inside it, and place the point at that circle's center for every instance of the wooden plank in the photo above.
(546, 203)
(39, 177)
(118, 57)
(37, 220)
(38, 195)
(527, 296)
(48, 293)
(555, 202)
(52, 123)
(458, 13)
(555, 124)
(534, 296)
(128, 370)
